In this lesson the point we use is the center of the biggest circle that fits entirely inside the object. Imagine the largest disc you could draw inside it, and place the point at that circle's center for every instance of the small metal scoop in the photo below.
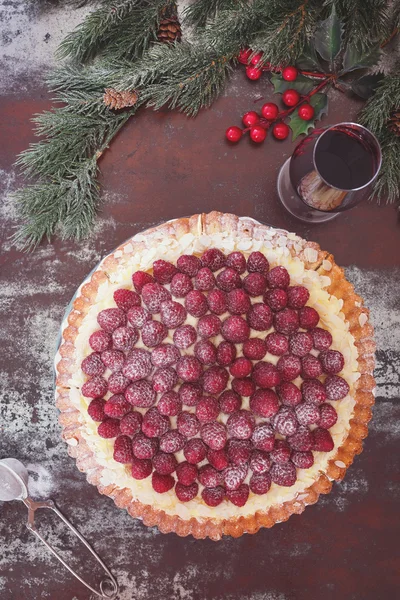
(14, 486)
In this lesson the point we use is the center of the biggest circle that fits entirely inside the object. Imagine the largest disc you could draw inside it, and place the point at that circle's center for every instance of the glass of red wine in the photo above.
(331, 170)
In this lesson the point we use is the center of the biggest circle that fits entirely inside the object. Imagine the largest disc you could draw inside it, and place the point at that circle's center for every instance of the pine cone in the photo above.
(117, 100)
(169, 29)
(394, 122)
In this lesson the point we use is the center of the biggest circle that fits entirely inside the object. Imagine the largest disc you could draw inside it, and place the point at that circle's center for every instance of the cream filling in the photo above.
(331, 318)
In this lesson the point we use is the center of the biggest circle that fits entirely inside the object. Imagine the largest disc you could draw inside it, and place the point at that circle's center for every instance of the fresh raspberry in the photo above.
(185, 336)
(257, 263)
(254, 284)
(205, 352)
(213, 258)
(278, 277)
(213, 496)
(137, 316)
(204, 280)
(303, 460)
(328, 416)
(254, 348)
(260, 461)
(190, 394)
(277, 343)
(244, 387)
(240, 496)
(236, 260)
(239, 451)
(131, 423)
(210, 477)
(209, 326)
(313, 391)
(214, 435)
(186, 473)
(280, 452)
(111, 318)
(196, 303)
(226, 353)
(126, 299)
(113, 359)
(188, 264)
(307, 413)
(228, 280)
(117, 383)
(155, 424)
(109, 428)
(266, 375)
(124, 338)
(165, 355)
(217, 301)
(181, 285)
(141, 469)
(336, 387)
(162, 483)
(323, 441)
(289, 394)
(189, 368)
(263, 437)
(185, 493)
(264, 403)
(117, 406)
(308, 317)
(311, 367)
(285, 422)
(100, 340)
(164, 379)
(298, 296)
(144, 447)
(169, 404)
(218, 459)
(241, 424)
(188, 424)
(229, 402)
(164, 463)
(300, 343)
(302, 440)
(138, 364)
(234, 476)
(207, 409)
(283, 474)
(93, 365)
(242, 367)
(332, 361)
(95, 387)
(215, 380)
(276, 299)
(235, 329)
(289, 367)
(173, 314)
(123, 449)
(140, 279)
(238, 302)
(260, 317)
(322, 339)
(163, 271)
(96, 409)
(286, 321)
(195, 451)
(154, 295)
(260, 484)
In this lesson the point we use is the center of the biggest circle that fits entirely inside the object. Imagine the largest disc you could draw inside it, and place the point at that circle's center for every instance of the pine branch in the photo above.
(202, 12)
(366, 22)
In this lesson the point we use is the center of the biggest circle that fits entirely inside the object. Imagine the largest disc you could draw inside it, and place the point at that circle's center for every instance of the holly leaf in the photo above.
(366, 85)
(355, 58)
(309, 59)
(328, 37)
(299, 126)
(302, 84)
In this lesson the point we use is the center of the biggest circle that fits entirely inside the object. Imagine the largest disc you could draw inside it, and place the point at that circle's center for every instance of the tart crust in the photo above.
(244, 229)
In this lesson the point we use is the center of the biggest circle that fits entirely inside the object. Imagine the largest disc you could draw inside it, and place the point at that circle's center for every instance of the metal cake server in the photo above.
(14, 486)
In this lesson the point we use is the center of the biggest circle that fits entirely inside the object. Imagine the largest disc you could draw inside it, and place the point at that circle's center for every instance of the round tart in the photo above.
(215, 375)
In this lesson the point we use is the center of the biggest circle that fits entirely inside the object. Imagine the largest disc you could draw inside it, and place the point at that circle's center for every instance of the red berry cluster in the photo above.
(176, 355)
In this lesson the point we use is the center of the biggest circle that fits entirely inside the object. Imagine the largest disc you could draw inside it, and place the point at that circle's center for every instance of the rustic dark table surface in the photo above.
(164, 165)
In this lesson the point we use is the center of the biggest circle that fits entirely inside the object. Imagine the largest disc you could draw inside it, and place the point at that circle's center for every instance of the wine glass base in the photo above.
(291, 201)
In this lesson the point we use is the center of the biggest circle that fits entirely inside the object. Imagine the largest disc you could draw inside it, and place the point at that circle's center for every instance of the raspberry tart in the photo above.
(215, 375)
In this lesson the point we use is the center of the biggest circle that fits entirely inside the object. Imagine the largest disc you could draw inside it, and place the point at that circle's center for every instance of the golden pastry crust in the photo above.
(355, 313)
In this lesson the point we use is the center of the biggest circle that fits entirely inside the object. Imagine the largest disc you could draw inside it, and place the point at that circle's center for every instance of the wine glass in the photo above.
(331, 170)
